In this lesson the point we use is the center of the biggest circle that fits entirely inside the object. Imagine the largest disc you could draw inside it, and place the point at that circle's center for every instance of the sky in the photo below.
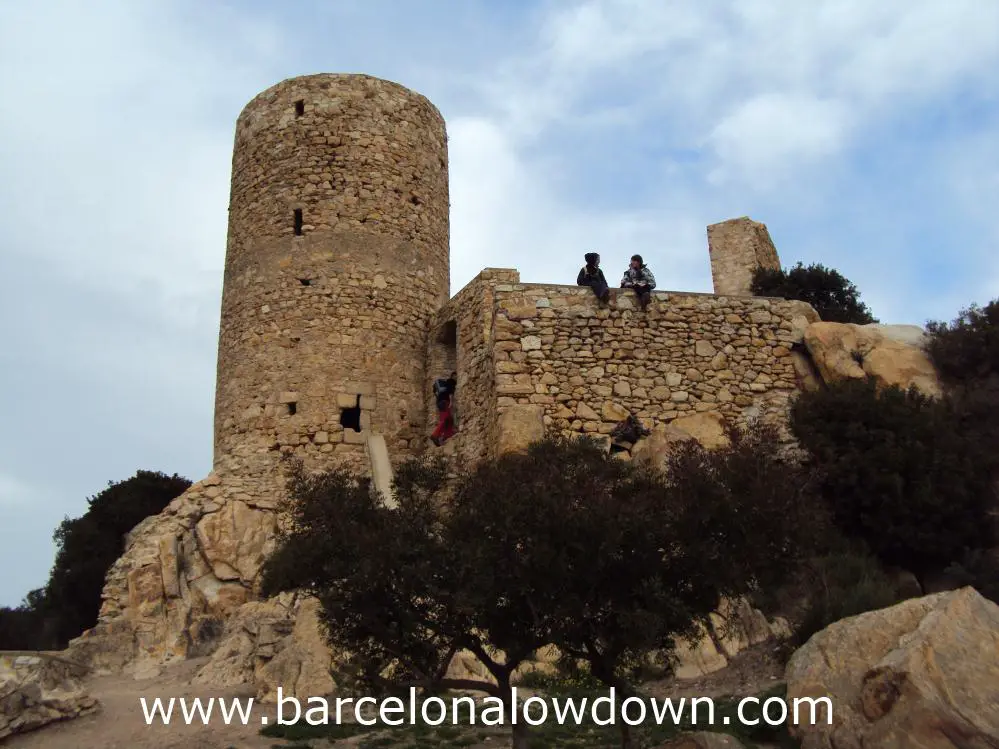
(864, 134)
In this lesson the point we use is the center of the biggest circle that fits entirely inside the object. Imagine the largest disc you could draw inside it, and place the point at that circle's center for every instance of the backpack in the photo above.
(441, 388)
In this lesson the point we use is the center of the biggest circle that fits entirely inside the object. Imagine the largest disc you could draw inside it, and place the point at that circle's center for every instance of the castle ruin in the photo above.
(336, 318)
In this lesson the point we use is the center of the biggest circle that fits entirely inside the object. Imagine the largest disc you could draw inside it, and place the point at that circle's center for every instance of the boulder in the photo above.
(519, 426)
(923, 673)
(273, 643)
(39, 689)
(183, 573)
(707, 427)
(845, 351)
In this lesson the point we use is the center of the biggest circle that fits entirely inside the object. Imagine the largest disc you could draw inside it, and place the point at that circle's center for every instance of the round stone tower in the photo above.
(337, 255)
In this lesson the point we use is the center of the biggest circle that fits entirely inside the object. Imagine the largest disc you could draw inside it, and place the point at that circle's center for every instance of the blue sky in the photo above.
(864, 134)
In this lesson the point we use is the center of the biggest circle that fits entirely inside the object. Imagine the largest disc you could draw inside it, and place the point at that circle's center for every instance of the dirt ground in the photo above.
(120, 724)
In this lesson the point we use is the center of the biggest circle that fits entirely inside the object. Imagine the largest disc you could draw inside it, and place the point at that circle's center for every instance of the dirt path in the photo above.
(120, 724)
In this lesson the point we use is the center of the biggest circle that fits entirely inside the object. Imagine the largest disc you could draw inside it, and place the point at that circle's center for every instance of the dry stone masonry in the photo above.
(337, 257)
(335, 320)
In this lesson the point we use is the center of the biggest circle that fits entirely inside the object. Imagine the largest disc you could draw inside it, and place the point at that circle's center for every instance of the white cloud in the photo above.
(776, 135)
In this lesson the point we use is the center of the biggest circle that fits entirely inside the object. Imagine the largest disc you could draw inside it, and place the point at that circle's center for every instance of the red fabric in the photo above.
(445, 425)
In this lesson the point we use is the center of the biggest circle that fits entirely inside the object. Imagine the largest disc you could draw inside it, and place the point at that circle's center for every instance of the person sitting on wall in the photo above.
(640, 278)
(444, 393)
(591, 275)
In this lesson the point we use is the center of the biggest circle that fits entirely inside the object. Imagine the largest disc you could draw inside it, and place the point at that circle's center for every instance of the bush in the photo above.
(980, 570)
(834, 297)
(966, 351)
(899, 471)
(842, 584)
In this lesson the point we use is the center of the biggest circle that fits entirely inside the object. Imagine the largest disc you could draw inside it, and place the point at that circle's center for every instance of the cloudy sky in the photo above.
(864, 134)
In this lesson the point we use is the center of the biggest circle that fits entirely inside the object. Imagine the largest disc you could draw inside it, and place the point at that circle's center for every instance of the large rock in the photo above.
(923, 673)
(183, 573)
(36, 690)
(273, 643)
(707, 428)
(843, 351)
(519, 426)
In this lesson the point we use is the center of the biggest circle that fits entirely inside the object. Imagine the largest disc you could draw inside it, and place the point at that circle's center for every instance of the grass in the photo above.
(588, 735)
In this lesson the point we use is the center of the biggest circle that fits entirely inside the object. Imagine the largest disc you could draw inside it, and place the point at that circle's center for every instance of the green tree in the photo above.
(834, 297)
(87, 546)
(899, 471)
(562, 545)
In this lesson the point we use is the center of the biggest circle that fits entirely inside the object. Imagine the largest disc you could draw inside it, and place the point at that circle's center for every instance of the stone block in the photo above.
(519, 426)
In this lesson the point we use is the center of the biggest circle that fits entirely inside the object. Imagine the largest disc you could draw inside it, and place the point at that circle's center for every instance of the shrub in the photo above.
(980, 570)
(899, 471)
(966, 351)
(841, 584)
(834, 297)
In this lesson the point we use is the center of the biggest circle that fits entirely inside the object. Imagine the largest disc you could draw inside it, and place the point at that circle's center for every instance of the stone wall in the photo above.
(472, 312)
(583, 366)
(337, 258)
(737, 248)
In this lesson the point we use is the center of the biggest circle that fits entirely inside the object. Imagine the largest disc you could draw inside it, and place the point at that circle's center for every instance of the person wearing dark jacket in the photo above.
(444, 393)
(639, 277)
(591, 275)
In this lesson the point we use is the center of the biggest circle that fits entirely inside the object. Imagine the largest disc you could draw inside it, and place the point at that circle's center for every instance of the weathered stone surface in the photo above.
(738, 247)
(923, 673)
(38, 689)
(707, 427)
(846, 351)
(519, 426)
(183, 573)
(273, 643)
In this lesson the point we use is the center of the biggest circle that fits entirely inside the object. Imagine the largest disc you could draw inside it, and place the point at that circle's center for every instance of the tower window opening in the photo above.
(350, 418)
(299, 107)
(298, 222)
(292, 408)
(305, 281)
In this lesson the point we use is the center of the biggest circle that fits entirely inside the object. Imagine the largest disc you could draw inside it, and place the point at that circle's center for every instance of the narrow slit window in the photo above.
(305, 281)
(292, 408)
(299, 107)
(298, 222)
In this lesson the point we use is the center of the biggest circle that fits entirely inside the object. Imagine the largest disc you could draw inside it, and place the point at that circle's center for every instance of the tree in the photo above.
(87, 546)
(611, 564)
(562, 545)
(965, 352)
(834, 297)
(899, 471)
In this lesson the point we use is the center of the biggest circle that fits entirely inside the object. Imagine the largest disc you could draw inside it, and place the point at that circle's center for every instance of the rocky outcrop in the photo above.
(38, 689)
(892, 354)
(923, 673)
(184, 572)
(274, 643)
(707, 428)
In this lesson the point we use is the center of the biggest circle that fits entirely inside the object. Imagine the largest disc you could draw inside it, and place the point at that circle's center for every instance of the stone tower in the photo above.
(737, 248)
(337, 256)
